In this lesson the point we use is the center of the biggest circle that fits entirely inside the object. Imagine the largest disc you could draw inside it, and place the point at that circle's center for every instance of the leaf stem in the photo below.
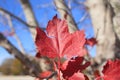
(59, 65)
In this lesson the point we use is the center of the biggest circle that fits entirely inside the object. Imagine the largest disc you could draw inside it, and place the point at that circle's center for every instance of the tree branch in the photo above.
(83, 18)
(66, 14)
(31, 27)
(33, 68)
(17, 18)
(29, 13)
(14, 35)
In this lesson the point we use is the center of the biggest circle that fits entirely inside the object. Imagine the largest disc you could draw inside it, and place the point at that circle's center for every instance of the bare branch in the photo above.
(44, 5)
(30, 16)
(17, 18)
(29, 13)
(79, 2)
(69, 4)
(32, 28)
(83, 18)
(66, 14)
(15, 35)
(19, 55)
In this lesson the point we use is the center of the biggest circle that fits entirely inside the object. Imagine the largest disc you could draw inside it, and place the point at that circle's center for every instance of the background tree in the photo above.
(12, 67)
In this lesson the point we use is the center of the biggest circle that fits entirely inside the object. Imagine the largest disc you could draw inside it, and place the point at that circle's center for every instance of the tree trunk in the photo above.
(116, 21)
(102, 20)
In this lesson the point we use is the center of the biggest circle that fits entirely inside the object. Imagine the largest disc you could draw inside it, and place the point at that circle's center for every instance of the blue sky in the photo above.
(44, 11)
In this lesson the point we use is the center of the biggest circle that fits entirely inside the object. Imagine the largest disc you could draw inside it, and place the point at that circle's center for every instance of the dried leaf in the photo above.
(91, 41)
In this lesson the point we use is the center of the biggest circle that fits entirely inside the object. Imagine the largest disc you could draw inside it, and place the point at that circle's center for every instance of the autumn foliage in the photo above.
(111, 71)
(57, 43)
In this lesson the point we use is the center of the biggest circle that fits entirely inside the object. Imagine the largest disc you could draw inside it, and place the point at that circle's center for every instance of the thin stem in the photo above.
(59, 65)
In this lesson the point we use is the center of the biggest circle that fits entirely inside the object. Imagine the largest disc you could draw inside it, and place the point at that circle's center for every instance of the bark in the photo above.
(30, 17)
(116, 7)
(116, 21)
(102, 19)
(66, 14)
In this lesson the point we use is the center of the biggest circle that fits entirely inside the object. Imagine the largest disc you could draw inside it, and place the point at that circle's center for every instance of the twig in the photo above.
(79, 2)
(17, 18)
(83, 18)
(15, 35)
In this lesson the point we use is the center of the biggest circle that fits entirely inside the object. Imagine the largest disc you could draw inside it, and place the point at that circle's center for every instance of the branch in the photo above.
(66, 14)
(83, 18)
(33, 68)
(17, 18)
(79, 2)
(29, 13)
(14, 35)
(31, 27)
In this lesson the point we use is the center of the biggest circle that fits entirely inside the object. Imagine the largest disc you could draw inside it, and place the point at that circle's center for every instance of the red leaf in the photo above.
(58, 42)
(71, 68)
(97, 74)
(45, 74)
(78, 76)
(91, 41)
(111, 70)
(44, 44)
(38, 55)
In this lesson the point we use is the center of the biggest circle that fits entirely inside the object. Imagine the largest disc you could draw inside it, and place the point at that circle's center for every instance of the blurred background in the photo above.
(19, 18)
